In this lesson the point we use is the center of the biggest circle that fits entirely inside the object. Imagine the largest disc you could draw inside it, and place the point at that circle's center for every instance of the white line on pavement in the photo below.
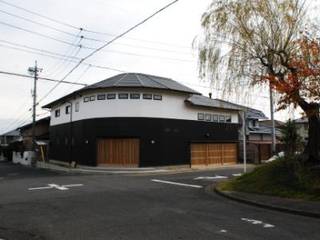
(39, 188)
(237, 174)
(210, 178)
(176, 183)
(258, 222)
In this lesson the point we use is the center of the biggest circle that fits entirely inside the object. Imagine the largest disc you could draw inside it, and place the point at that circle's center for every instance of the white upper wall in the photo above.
(172, 106)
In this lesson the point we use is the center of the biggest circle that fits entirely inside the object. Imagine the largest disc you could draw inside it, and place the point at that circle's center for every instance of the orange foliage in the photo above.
(301, 78)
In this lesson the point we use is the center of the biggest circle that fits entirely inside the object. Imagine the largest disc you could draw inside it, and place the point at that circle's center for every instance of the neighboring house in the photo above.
(302, 125)
(41, 133)
(135, 119)
(259, 136)
(9, 137)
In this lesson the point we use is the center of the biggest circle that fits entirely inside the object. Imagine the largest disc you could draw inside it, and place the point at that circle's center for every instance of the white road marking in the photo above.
(237, 174)
(210, 178)
(258, 222)
(56, 186)
(223, 231)
(176, 183)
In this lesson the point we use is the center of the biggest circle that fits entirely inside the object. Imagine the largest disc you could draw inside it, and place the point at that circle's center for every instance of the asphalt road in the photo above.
(138, 207)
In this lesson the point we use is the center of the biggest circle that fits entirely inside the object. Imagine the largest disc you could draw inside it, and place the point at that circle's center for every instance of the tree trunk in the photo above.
(312, 150)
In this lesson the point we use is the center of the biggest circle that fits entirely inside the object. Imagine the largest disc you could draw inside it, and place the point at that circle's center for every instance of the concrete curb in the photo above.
(266, 206)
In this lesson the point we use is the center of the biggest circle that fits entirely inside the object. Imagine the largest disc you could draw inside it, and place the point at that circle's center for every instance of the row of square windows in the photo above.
(110, 96)
(214, 117)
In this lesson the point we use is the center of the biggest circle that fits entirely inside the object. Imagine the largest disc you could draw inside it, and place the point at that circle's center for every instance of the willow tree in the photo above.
(256, 42)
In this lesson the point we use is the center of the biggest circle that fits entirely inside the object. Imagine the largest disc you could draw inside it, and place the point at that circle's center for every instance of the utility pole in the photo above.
(244, 142)
(34, 71)
(273, 137)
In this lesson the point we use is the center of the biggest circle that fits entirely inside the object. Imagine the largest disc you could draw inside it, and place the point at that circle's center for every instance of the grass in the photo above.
(283, 178)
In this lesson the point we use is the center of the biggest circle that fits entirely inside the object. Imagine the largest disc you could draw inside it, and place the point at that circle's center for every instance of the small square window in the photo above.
(86, 99)
(57, 113)
(111, 96)
(134, 95)
(215, 118)
(228, 119)
(157, 97)
(77, 106)
(92, 98)
(208, 117)
(201, 116)
(101, 97)
(222, 118)
(147, 96)
(68, 108)
(123, 95)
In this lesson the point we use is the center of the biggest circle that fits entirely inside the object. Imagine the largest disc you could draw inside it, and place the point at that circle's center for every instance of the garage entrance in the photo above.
(204, 154)
(118, 152)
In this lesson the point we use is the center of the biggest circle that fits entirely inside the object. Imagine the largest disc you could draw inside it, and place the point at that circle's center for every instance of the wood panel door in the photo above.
(118, 152)
(213, 154)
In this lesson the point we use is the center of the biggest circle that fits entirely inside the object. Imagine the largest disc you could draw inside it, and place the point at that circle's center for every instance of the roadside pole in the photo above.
(273, 137)
(244, 141)
(34, 71)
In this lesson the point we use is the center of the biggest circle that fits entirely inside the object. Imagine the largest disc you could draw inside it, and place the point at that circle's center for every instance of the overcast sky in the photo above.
(161, 46)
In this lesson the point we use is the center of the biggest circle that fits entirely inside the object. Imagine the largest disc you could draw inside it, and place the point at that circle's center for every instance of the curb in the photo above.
(265, 206)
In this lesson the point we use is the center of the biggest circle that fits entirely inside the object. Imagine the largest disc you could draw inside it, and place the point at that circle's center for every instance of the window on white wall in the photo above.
(86, 99)
(92, 98)
(111, 96)
(123, 95)
(57, 113)
(134, 95)
(215, 118)
(201, 116)
(147, 96)
(68, 109)
(222, 118)
(101, 96)
(157, 97)
(228, 119)
(208, 117)
(76, 107)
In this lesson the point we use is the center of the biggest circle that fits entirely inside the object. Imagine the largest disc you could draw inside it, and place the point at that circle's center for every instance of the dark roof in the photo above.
(263, 130)
(251, 113)
(133, 80)
(13, 133)
(268, 123)
(46, 119)
(202, 101)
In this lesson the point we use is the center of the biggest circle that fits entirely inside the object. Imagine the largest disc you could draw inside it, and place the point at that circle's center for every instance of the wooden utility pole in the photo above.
(34, 71)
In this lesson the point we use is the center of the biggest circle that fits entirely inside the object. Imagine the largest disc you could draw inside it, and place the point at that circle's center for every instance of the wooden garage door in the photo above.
(213, 153)
(118, 152)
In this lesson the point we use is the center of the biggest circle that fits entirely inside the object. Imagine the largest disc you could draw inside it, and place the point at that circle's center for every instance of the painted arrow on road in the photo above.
(56, 186)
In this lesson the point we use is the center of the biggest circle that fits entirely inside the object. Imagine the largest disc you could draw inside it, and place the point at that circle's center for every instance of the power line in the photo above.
(37, 49)
(108, 43)
(55, 57)
(56, 21)
(42, 16)
(39, 34)
(41, 78)
(38, 23)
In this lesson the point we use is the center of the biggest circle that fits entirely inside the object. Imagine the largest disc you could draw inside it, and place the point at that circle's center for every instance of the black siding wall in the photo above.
(171, 138)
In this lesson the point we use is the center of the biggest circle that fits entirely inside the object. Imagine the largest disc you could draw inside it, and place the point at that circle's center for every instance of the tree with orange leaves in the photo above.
(265, 42)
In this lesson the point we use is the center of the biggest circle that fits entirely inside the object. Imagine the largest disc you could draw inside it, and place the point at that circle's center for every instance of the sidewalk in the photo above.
(130, 170)
(294, 206)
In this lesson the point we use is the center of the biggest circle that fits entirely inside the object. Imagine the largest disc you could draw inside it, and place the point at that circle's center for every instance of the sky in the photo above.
(162, 46)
